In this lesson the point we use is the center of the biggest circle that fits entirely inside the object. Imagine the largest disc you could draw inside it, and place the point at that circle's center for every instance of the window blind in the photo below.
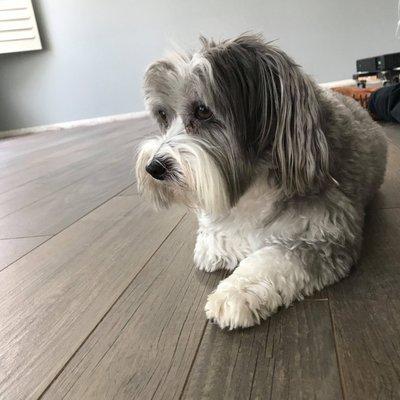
(18, 28)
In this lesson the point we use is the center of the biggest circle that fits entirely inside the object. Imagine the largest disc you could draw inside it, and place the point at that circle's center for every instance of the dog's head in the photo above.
(232, 113)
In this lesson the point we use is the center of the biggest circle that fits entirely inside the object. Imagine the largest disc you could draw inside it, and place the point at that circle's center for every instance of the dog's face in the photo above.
(227, 118)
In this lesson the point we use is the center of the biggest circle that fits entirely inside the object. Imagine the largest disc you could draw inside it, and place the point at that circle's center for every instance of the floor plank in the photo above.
(366, 313)
(51, 299)
(147, 341)
(53, 213)
(55, 149)
(38, 146)
(24, 195)
(367, 333)
(33, 168)
(12, 249)
(393, 132)
(291, 356)
(34, 208)
(389, 193)
(80, 185)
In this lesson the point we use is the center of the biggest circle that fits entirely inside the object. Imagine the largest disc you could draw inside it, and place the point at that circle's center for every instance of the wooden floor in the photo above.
(99, 298)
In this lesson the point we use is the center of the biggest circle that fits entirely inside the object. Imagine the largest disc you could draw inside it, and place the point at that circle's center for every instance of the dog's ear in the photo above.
(300, 150)
(155, 77)
(159, 87)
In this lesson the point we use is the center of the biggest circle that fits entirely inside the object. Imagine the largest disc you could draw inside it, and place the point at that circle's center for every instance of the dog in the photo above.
(277, 169)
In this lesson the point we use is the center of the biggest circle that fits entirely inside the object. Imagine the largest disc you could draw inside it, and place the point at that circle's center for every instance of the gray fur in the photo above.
(273, 110)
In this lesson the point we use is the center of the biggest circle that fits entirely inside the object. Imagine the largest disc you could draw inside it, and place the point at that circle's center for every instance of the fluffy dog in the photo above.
(277, 170)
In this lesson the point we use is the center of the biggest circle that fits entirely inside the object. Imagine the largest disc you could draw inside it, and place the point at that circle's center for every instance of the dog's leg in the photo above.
(267, 279)
(211, 254)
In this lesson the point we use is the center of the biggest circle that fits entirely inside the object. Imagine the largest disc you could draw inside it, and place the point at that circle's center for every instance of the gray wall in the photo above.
(96, 50)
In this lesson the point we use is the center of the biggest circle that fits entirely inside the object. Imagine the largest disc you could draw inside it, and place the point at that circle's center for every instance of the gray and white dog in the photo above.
(277, 170)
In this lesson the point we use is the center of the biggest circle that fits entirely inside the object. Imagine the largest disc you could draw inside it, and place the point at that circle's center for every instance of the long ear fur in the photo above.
(299, 147)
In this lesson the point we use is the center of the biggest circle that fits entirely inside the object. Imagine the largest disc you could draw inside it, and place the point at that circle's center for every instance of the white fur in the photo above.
(203, 185)
(224, 240)
(263, 281)
(266, 276)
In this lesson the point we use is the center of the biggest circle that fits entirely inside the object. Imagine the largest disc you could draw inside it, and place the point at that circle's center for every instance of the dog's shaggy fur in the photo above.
(278, 171)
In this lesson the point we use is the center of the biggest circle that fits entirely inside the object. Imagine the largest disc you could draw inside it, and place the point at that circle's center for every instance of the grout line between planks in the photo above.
(66, 227)
(206, 322)
(336, 350)
(25, 237)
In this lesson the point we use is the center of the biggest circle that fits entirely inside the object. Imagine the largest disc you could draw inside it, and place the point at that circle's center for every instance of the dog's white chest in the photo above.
(237, 234)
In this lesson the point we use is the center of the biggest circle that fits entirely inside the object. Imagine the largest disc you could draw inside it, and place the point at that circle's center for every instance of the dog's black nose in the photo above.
(156, 169)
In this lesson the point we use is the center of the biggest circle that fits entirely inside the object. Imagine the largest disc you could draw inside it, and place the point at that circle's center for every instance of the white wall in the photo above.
(96, 50)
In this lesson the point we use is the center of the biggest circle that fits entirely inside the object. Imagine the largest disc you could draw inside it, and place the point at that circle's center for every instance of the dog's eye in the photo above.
(203, 112)
(163, 115)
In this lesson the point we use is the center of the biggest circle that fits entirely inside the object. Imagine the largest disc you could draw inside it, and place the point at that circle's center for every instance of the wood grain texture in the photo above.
(75, 183)
(35, 147)
(366, 313)
(290, 356)
(52, 299)
(145, 345)
(87, 147)
(53, 213)
(38, 189)
(367, 333)
(12, 249)
(377, 273)
(37, 164)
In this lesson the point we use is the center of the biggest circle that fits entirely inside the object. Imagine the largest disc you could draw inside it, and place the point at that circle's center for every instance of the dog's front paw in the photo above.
(232, 308)
(242, 302)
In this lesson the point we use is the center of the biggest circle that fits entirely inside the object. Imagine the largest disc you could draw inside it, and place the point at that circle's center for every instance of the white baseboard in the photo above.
(74, 124)
(345, 82)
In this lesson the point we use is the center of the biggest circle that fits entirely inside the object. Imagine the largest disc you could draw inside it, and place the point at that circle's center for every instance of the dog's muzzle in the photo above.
(156, 169)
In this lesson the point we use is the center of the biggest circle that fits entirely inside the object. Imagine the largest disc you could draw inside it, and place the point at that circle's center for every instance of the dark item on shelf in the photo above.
(385, 67)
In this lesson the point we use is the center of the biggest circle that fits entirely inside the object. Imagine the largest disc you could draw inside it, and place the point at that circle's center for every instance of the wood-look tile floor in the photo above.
(99, 298)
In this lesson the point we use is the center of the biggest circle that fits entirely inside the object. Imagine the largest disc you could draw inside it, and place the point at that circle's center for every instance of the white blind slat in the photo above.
(13, 4)
(15, 25)
(12, 15)
(16, 35)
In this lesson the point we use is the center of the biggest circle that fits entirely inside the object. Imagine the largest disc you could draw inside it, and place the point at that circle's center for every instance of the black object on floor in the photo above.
(384, 104)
